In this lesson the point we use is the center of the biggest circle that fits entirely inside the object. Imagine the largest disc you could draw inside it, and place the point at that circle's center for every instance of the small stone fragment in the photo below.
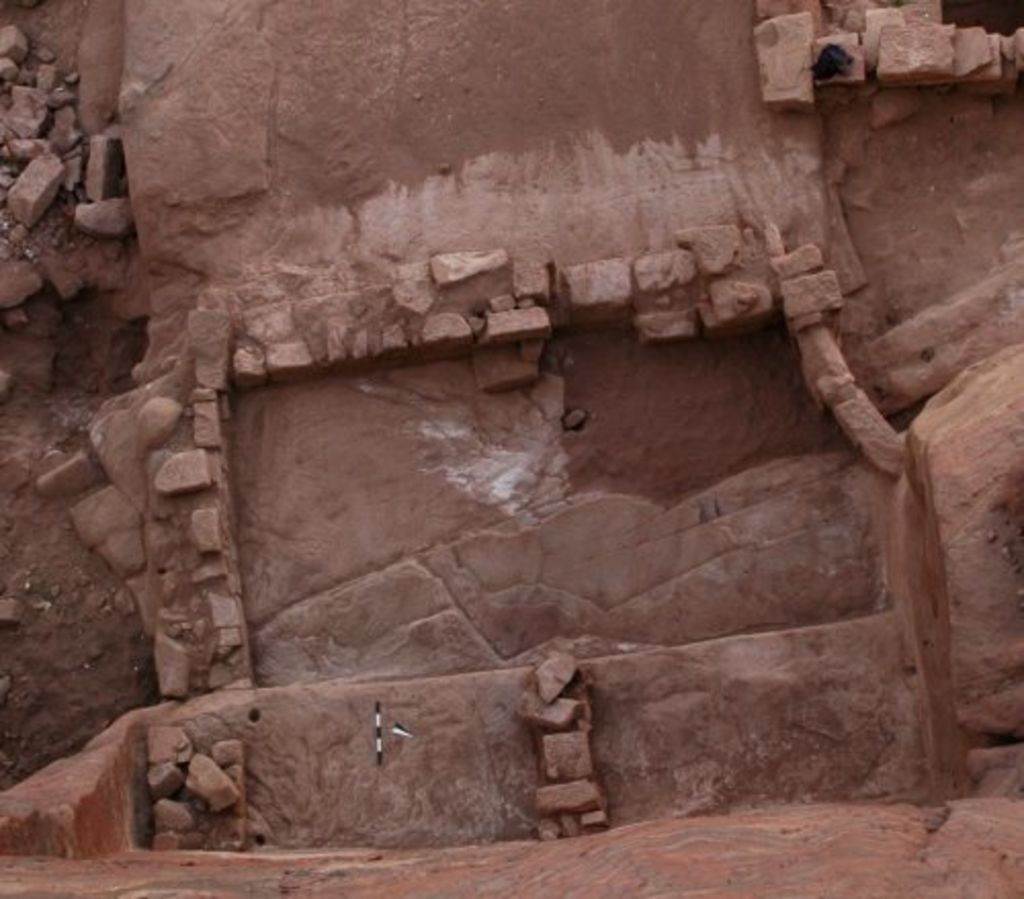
(107, 219)
(737, 307)
(206, 425)
(249, 368)
(185, 472)
(210, 783)
(594, 820)
(27, 115)
(554, 674)
(504, 303)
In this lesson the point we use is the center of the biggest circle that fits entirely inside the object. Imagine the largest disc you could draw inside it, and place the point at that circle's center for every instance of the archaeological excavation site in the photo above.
(512, 448)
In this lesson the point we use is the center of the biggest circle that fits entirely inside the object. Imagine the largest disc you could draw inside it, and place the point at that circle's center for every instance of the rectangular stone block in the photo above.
(35, 189)
(209, 336)
(736, 307)
(812, 293)
(805, 259)
(574, 798)
(567, 756)
(468, 280)
(105, 169)
(715, 247)
(186, 472)
(531, 281)
(916, 54)
(784, 57)
(288, 360)
(978, 56)
(204, 530)
(659, 273)
(875, 21)
(598, 292)
(516, 325)
(446, 331)
(206, 425)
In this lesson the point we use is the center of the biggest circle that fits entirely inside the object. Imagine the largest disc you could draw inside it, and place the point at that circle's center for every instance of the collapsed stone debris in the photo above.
(557, 708)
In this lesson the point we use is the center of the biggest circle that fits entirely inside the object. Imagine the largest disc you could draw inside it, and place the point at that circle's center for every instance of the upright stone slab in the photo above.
(784, 56)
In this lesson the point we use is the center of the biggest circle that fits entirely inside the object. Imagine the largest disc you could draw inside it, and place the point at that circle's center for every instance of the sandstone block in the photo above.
(228, 752)
(716, 247)
(567, 756)
(173, 816)
(666, 327)
(210, 783)
(164, 780)
(158, 419)
(659, 273)
(548, 830)
(224, 611)
(812, 293)
(805, 259)
(35, 189)
(172, 667)
(105, 169)
(874, 21)
(13, 43)
(249, 367)
(502, 368)
(554, 674)
(413, 290)
(446, 331)
(18, 281)
(204, 530)
(65, 136)
(168, 744)
(206, 425)
(594, 820)
(850, 42)
(531, 281)
(977, 56)
(598, 292)
(186, 472)
(105, 220)
(576, 797)
(871, 433)
(124, 552)
(558, 715)
(516, 325)
(916, 54)
(770, 9)
(27, 114)
(8, 70)
(69, 478)
(209, 340)
(784, 57)
(11, 612)
(288, 360)
(468, 280)
(736, 307)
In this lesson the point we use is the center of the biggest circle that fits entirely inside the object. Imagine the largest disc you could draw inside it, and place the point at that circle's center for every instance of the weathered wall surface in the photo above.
(270, 141)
